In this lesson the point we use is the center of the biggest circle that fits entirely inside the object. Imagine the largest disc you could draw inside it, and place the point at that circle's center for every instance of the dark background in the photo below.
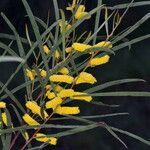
(125, 64)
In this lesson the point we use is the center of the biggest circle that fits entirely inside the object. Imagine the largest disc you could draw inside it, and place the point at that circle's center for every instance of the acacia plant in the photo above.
(51, 83)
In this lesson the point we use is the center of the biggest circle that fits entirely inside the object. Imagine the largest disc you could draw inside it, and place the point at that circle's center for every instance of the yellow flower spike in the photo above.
(35, 109)
(4, 118)
(67, 110)
(43, 73)
(48, 87)
(30, 74)
(67, 26)
(81, 96)
(46, 49)
(50, 95)
(71, 8)
(99, 61)
(64, 71)
(80, 12)
(2, 105)
(53, 103)
(80, 47)
(69, 49)
(66, 93)
(58, 88)
(57, 54)
(61, 78)
(42, 138)
(29, 120)
(105, 44)
(85, 77)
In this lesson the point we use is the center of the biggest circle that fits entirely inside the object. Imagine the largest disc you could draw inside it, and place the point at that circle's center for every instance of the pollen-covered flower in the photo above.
(58, 88)
(105, 44)
(54, 103)
(30, 74)
(80, 12)
(61, 78)
(64, 71)
(99, 60)
(80, 47)
(35, 109)
(46, 49)
(66, 93)
(50, 95)
(29, 120)
(4, 118)
(85, 77)
(2, 105)
(43, 138)
(48, 87)
(67, 110)
(81, 96)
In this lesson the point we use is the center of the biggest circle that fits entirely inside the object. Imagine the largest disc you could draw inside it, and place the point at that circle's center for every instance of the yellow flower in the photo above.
(99, 61)
(64, 71)
(2, 105)
(80, 12)
(106, 44)
(71, 8)
(29, 120)
(50, 95)
(80, 47)
(81, 96)
(4, 118)
(67, 26)
(66, 93)
(36, 109)
(43, 73)
(58, 88)
(85, 77)
(69, 49)
(48, 87)
(67, 110)
(54, 103)
(30, 74)
(42, 138)
(61, 78)
(46, 49)
(57, 54)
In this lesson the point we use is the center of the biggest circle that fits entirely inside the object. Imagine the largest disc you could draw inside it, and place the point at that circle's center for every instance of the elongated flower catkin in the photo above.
(105, 44)
(85, 77)
(2, 105)
(50, 95)
(29, 120)
(81, 96)
(46, 49)
(99, 61)
(36, 109)
(4, 118)
(30, 74)
(61, 78)
(80, 12)
(80, 47)
(66, 93)
(64, 71)
(43, 138)
(67, 110)
(54, 103)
